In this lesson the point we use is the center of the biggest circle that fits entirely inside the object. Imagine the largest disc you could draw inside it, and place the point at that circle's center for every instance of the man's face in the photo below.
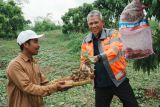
(32, 47)
(95, 24)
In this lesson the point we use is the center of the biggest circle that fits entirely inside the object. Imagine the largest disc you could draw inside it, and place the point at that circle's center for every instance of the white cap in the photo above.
(27, 35)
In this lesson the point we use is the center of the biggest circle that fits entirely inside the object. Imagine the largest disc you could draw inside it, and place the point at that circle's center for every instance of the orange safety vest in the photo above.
(110, 47)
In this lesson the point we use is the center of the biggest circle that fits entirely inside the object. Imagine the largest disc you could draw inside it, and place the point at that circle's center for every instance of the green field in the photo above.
(59, 56)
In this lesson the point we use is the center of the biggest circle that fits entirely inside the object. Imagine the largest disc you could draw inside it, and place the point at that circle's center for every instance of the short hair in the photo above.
(94, 13)
(22, 46)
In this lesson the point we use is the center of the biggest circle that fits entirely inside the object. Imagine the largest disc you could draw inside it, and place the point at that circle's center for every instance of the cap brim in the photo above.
(38, 36)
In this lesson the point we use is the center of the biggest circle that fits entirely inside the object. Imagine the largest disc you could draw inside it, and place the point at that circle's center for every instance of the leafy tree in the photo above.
(111, 10)
(44, 25)
(153, 8)
(11, 19)
(75, 19)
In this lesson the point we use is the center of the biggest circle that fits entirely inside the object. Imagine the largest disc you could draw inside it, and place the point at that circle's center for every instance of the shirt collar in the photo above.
(102, 36)
(96, 36)
(25, 58)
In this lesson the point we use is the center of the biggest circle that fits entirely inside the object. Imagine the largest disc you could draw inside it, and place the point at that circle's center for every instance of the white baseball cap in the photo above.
(27, 35)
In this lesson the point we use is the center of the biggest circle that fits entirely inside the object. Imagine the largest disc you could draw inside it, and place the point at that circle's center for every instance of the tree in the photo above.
(153, 8)
(111, 10)
(75, 19)
(44, 24)
(11, 19)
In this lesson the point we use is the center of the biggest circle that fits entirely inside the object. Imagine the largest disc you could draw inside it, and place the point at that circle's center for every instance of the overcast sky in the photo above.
(56, 8)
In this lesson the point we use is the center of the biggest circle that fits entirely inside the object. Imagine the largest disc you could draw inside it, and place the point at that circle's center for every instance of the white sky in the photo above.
(56, 8)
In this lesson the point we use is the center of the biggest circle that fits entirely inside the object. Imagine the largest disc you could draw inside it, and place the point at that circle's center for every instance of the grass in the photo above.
(59, 56)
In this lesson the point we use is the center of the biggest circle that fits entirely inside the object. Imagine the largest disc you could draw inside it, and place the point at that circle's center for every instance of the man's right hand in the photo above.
(63, 85)
(92, 59)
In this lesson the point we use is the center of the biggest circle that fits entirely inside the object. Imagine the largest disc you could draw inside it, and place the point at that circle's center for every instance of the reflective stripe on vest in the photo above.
(116, 58)
(119, 54)
(119, 75)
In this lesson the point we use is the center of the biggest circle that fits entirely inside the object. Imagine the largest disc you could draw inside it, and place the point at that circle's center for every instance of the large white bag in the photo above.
(135, 31)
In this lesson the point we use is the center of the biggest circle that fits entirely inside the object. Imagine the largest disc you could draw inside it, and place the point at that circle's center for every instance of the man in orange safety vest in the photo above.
(105, 48)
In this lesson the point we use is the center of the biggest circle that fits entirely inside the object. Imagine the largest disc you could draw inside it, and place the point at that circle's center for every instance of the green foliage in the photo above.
(75, 19)
(11, 19)
(111, 10)
(75, 42)
(153, 8)
(44, 25)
